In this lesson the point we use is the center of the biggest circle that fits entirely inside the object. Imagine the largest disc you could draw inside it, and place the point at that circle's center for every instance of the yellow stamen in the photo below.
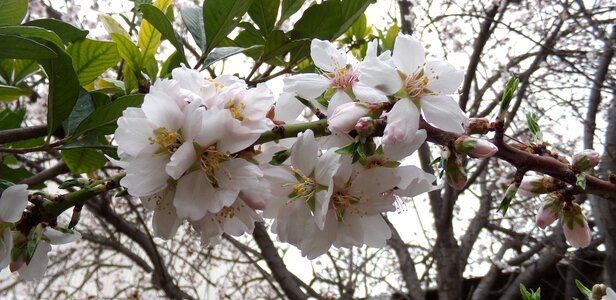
(169, 141)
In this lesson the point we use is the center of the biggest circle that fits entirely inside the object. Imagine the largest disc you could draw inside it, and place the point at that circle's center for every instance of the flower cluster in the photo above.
(189, 151)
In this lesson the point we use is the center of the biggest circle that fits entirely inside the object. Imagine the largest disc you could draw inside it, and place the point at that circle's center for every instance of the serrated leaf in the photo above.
(263, 13)
(12, 46)
(160, 22)
(91, 58)
(67, 32)
(82, 160)
(108, 115)
(12, 11)
(10, 93)
(220, 18)
(193, 19)
(224, 52)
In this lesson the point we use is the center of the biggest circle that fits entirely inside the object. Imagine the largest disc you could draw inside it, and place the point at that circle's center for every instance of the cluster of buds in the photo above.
(573, 221)
(585, 160)
(477, 148)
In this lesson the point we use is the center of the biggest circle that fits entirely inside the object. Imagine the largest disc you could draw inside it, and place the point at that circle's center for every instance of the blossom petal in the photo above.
(304, 153)
(6, 245)
(443, 77)
(13, 202)
(376, 231)
(399, 151)
(402, 122)
(326, 57)
(38, 264)
(374, 181)
(339, 98)
(307, 86)
(181, 160)
(165, 223)
(57, 237)
(444, 113)
(162, 111)
(288, 108)
(146, 175)
(367, 94)
(414, 181)
(379, 75)
(193, 196)
(409, 54)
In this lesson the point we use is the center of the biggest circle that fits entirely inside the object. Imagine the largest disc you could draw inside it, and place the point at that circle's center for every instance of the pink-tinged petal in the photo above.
(402, 122)
(38, 265)
(254, 199)
(307, 86)
(380, 76)
(403, 149)
(326, 57)
(222, 198)
(6, 245)
(321, 206)
(345, 116)
(193, 196)
(578, 236)
(146, 175)
(443, 77)
(371, 182)
(181, 160)
(545, 217)
(13, 202)
(339, 98)
(304, 153)
(288, 108)
(444, 113)
(57, 237)
(367, 94)
(162, 111)
(409, 54)
(414, 181)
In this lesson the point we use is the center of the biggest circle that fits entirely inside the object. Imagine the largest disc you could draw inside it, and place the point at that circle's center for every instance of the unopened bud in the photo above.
(538, 184)
(478, 126)
(598, 292)
(575, 226)
(454, 172)
(510, 193)
(475, 147)
(585, 160)
(365, 126)
(345, 116)
(549, 211)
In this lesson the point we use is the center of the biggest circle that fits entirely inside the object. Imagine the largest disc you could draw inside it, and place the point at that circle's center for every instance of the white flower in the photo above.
(235, 220)
(165, 221)
(37, 266)
(13, 201)
(338, 75)
(610, 294)
(422, 86)
(345, 116)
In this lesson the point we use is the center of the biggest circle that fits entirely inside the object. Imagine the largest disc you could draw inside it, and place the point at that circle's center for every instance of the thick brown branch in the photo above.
(20, 134)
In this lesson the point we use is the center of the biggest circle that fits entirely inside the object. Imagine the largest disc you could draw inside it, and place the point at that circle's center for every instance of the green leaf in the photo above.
(22, 69)
(128, 51)
(509, 195)
(63, 89)
(18, 47)
(278, 44)
(263, 13)
(581, 181)
(67, 32)
(14, 175)
(359, 29)
(12, 11)
(512, 85)
(348, 149)
(32, 32)
(83, 108)
(173, 61)
(149, 38)
(112, 26)
(224, 52)
(289, 7)
(193, 19)
(82, 160)
(91, 58)
(533, 126)
(220, 18)
(583, 289)
(158, 19)
(351, 11)
(529, 294)
(319, 21)
(390, 37)
(108, 115)
(280, 157)
(11, 119)
(10, 93)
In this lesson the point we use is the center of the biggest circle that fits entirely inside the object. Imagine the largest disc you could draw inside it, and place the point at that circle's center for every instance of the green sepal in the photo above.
(280, 157)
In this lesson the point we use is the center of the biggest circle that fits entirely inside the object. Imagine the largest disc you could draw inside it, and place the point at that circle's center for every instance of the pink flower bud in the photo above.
(575, 226)
(538, 184)
(478, 126)
(550, 211)
(475, 147)
(585, 160)
(365, 126)
(345, 116)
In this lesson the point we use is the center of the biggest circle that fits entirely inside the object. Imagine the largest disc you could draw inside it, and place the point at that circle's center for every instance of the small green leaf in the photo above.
(173, 61)
(11, 119)
(224, 52)
(67, 32)
(108, 115)
(193, 19)
(158, 19)
(512, 85)
(509, 195)
(533, 126)
(18, 47)
(83, 160)
(390, 37)
(348, 149)
(581, 181)
(92, 58)
(12, 11)
(10, 93)
(220, 18)
(280, 157)
(583, 289)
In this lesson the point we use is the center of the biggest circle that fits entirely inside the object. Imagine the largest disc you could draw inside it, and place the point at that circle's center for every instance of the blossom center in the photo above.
(343, 78)
(169, 141)
(341, 201)
(211, 161)
(415, 84)
(237, 110)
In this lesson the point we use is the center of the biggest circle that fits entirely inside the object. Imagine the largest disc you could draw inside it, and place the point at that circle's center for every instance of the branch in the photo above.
(20, 134)
(114, 244)
(47, 174)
